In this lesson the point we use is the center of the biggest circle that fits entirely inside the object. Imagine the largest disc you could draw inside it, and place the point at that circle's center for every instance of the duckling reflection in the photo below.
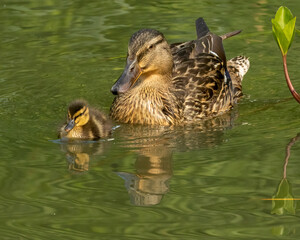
(78, 153)
(283, 200)
(150, 182)
(84, 123)
(78, 159)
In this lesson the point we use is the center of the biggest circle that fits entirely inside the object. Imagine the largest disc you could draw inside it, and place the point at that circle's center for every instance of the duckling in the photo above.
(166, 84)
(85, 122)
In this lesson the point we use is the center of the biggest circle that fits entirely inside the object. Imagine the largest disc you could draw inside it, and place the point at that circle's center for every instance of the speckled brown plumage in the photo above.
(141, 106)
(174, 84)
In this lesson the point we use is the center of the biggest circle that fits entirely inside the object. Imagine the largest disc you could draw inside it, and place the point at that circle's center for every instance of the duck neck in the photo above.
(156, 81)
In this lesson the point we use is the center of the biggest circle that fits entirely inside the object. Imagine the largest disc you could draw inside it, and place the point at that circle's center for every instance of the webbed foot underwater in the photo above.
(180, 83)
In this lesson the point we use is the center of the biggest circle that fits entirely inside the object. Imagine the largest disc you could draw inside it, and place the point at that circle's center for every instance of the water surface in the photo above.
(190, 182)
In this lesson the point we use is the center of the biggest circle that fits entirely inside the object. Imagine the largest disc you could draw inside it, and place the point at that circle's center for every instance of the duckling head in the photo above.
(148, 54)
(78, 114)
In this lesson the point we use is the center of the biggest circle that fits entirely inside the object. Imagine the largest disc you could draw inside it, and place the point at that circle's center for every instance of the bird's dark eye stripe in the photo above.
(158, 42)
(80, 114)
(142, 54)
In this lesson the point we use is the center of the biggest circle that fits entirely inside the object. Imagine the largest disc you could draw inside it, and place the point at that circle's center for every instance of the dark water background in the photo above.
(202, 182)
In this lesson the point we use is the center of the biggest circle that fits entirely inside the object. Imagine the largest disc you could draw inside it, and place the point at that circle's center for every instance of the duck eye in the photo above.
(151, 46)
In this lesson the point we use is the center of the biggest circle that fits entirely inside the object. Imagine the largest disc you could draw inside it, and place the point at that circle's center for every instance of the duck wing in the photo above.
(206, 42)
(209, 44)
(182, 51)
(200, 86)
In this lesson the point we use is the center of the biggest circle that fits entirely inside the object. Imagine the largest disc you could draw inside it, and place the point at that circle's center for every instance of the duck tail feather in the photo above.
(240, 64)
(201, 27)
(230, 34)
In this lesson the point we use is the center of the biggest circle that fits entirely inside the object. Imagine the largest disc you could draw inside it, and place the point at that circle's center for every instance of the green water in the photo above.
(203, 182)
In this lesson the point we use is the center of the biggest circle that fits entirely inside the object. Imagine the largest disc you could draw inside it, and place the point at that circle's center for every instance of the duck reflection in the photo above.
(78, 153)
(155, 145)
(283, 200)
(150, 182)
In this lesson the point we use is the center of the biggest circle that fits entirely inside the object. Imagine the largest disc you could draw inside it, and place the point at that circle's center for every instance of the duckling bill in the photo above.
(85, 123)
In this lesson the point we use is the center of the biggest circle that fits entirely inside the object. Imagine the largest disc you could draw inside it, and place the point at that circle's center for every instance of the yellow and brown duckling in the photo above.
(166, 84)
(85, 123)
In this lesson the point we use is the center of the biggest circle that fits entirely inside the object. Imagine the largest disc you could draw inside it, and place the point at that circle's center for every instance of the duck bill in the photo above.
(70, 125)
(128, 78)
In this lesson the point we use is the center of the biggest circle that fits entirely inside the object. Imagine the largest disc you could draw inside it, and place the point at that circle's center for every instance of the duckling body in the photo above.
(85, 123)
(166, 84)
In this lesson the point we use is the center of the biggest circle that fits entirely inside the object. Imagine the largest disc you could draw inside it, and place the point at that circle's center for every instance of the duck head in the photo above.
(148, 54)
(78, 114)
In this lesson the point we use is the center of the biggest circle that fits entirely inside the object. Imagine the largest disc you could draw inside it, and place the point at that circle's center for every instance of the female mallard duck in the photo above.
(166, 84)
(85, 122)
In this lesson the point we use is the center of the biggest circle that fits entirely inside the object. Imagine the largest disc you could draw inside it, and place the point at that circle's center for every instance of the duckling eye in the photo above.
(78, 116)
(151, 46)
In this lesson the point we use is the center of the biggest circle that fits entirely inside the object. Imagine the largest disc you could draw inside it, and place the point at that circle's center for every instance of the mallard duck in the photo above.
(166, 84)
(85, 122)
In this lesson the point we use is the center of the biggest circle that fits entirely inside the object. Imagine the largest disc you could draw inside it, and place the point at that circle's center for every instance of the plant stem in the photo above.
(288, 152)
(288, 80)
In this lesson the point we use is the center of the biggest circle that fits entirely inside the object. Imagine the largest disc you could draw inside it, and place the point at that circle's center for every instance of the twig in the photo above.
(288, 80)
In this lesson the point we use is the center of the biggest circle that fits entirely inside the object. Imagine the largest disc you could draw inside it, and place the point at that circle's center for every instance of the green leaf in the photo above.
(283, 199)
(283, 26)
(283, 16)
(289, 30)
(280, 37)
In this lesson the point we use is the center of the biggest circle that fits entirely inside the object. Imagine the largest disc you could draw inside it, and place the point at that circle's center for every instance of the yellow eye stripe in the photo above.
(80, 112)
